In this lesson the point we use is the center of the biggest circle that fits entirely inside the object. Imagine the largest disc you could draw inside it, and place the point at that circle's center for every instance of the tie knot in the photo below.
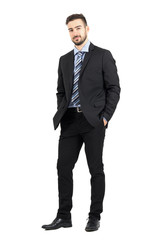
(80, 54)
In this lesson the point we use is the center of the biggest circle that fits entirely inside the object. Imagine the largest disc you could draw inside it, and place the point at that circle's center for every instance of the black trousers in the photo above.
(75, 130)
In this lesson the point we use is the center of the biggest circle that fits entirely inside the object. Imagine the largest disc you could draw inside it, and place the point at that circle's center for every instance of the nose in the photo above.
(75, 32)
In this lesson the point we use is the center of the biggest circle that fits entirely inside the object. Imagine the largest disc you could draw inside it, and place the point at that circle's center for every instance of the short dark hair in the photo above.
(76, 16)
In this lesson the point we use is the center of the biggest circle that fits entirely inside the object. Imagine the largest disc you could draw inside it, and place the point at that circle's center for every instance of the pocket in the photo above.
(99, 104)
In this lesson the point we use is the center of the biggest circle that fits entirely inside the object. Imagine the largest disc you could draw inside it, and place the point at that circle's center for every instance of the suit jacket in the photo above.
(99, 89)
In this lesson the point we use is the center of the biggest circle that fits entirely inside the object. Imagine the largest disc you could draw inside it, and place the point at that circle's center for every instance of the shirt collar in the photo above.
(84, 49)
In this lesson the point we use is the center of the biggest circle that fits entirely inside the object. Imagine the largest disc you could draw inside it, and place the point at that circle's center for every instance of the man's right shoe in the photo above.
(58, 223)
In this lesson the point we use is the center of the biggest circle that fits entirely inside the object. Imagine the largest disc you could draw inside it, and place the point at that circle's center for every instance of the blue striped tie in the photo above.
(75, 93)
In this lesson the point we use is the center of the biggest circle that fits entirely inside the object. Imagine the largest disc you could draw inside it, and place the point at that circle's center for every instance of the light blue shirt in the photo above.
(84, 50)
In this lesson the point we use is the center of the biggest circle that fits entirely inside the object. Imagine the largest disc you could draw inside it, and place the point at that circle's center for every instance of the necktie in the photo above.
(75, 93)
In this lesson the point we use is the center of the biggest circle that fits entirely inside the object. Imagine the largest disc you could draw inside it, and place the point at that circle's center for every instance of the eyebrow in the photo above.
(75, 27)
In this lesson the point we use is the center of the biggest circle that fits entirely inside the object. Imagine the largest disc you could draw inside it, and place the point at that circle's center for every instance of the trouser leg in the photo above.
(94, 148)
(69, 148)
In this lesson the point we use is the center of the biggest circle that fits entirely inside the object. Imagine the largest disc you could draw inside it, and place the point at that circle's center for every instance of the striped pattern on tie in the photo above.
(75, 93)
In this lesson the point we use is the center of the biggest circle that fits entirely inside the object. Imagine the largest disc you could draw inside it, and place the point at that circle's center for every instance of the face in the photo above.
(78, 31)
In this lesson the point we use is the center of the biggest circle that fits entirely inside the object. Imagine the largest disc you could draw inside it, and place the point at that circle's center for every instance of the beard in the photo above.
(81, 41)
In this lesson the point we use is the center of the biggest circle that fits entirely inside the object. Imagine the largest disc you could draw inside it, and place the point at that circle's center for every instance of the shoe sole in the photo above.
(64, 226)
(91, 230)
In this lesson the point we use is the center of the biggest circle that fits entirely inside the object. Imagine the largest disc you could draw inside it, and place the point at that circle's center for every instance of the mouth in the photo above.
(76, 38)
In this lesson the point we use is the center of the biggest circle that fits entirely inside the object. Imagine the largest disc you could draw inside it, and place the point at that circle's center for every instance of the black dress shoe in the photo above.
(92, 225)
(58, 223)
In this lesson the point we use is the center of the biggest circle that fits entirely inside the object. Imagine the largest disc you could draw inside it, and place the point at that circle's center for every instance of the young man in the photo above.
(87, 95)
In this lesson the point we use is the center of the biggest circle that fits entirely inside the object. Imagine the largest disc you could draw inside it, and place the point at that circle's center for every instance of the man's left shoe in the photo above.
(92, 225)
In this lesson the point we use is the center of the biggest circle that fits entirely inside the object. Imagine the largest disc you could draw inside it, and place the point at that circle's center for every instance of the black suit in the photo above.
(99, 92)
(98, 85)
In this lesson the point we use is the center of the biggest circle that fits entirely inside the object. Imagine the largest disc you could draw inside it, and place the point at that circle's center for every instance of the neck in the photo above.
(79, 47)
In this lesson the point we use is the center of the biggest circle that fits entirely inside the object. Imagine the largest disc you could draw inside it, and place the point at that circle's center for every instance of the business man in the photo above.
(87, 95)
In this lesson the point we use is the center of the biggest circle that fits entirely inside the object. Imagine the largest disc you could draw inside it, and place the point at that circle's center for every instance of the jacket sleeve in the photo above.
(60, 86)
(111, 82)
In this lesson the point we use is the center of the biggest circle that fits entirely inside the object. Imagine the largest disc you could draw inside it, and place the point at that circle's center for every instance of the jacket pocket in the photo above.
(99, 104)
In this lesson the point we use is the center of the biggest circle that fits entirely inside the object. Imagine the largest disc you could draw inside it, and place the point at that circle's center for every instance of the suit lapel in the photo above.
(69, 70)
(87, 57)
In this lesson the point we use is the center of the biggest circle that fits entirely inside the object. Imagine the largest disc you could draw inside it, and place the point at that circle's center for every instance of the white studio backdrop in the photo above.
(33, 36)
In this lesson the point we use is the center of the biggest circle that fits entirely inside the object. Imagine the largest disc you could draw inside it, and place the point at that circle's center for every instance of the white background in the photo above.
(33, 36)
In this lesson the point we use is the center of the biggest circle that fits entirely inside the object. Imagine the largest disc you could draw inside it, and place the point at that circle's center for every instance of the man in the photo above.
(87, 94)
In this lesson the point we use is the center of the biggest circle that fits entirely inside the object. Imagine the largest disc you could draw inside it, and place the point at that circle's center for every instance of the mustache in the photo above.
(76, 37)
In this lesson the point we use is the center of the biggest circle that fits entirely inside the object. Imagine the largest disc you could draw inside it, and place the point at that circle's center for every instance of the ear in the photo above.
(87, 28)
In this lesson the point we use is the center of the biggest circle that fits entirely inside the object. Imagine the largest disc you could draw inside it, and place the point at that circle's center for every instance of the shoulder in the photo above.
(104, 54)
(65, 56)
(98, 49)
(102, 50)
